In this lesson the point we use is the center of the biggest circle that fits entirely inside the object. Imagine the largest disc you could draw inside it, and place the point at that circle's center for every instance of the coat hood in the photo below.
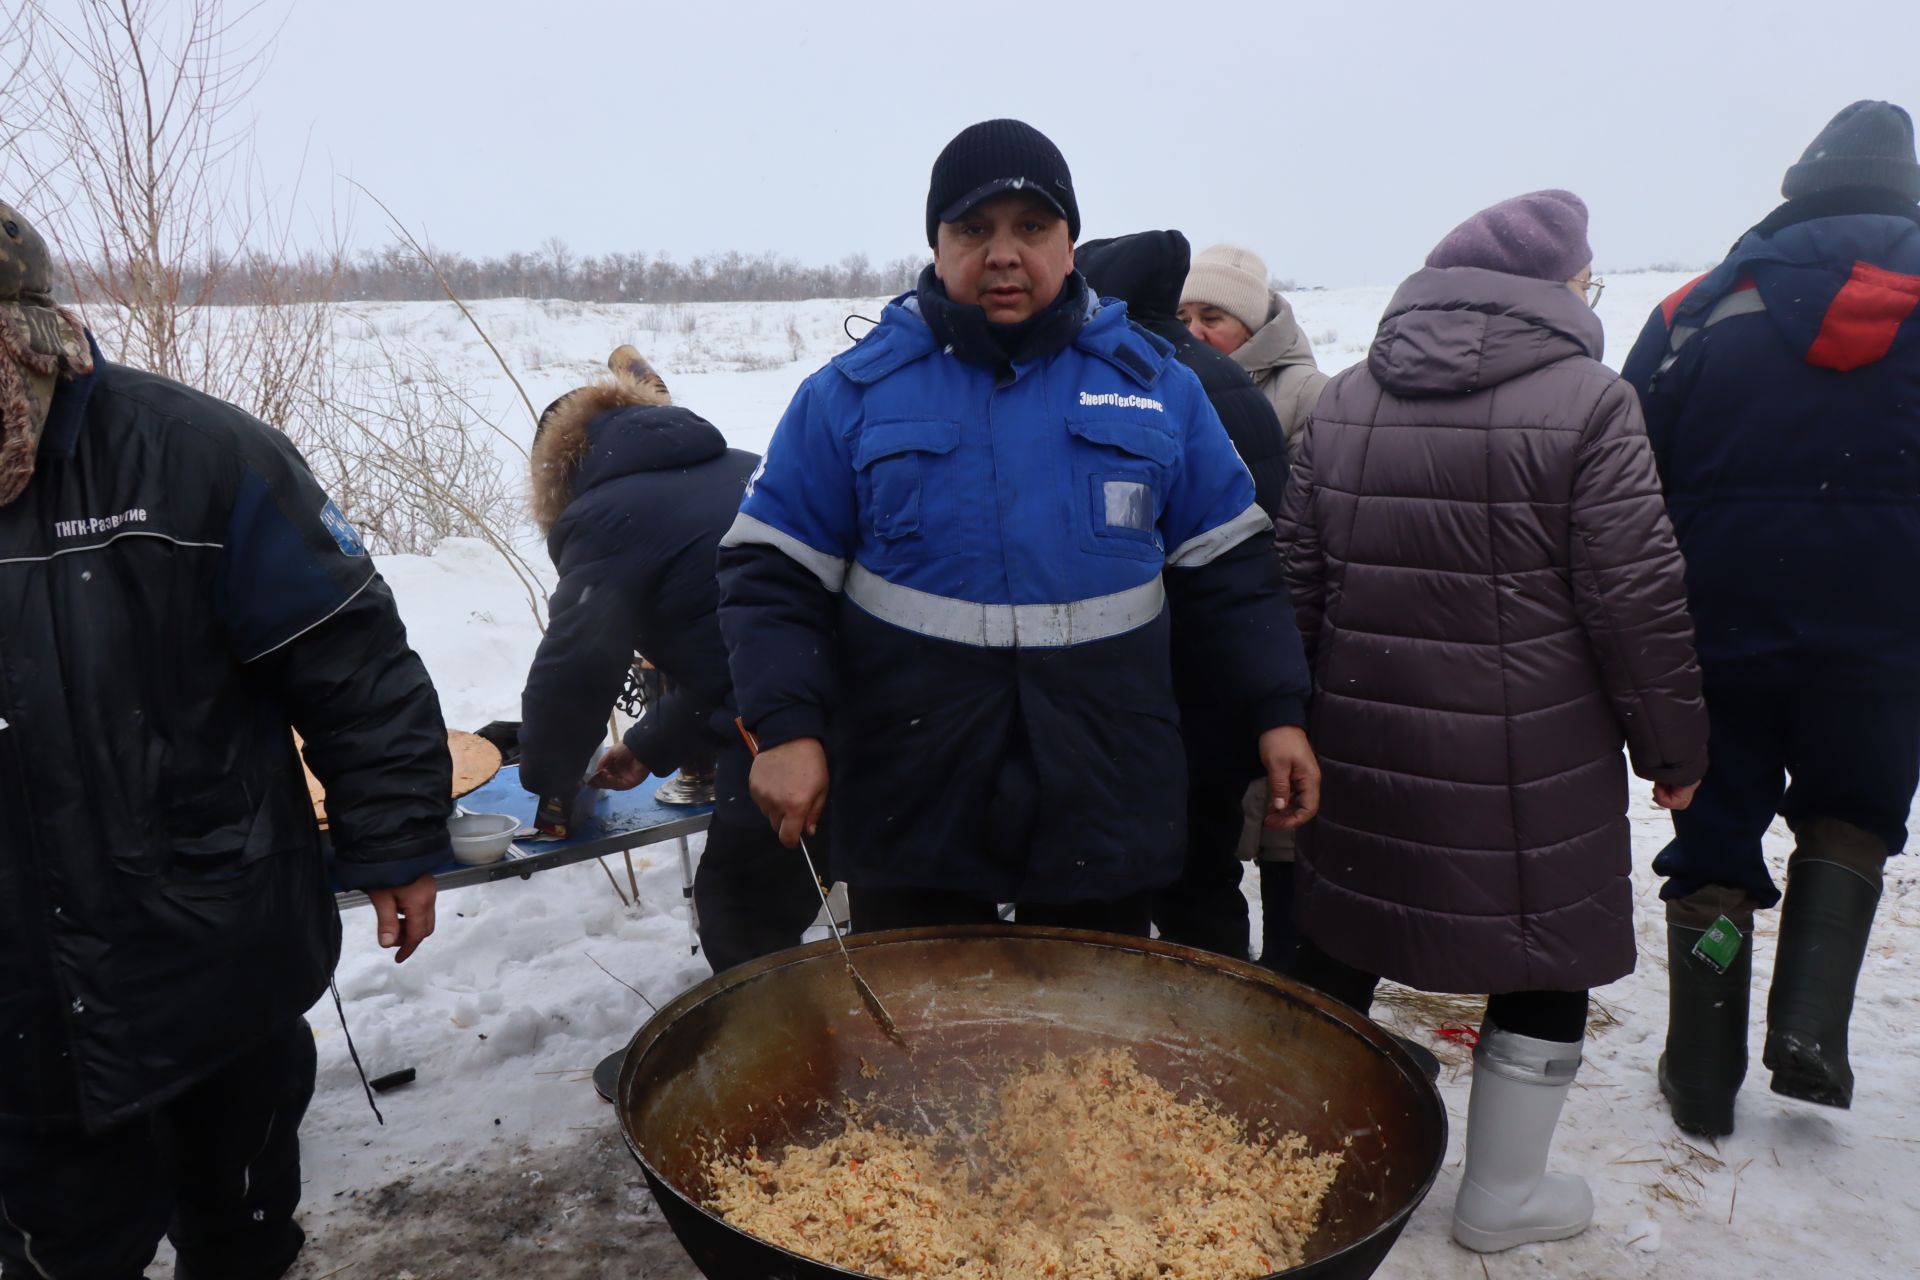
(1453, 330)
(620, 425)
(1144, 270)
(1843, 291)
(1278, 343)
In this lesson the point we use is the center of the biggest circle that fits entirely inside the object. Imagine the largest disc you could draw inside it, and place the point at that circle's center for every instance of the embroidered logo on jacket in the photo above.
(1120, 401)
(98, 524)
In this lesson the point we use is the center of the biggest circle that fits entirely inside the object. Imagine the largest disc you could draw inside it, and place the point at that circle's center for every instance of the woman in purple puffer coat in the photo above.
(1486, 580)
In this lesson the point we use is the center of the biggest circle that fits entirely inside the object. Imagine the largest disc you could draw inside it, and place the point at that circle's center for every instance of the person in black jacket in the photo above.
(178, 597)
(634, 494)
(1204, 907)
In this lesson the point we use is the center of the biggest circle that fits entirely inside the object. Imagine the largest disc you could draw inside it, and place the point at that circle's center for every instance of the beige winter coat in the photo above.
(1279, 359)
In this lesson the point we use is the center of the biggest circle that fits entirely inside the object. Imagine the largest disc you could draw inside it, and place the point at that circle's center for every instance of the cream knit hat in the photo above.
(1233, 279)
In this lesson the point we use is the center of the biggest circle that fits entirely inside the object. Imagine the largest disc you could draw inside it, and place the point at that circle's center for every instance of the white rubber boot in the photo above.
(1507, 1197)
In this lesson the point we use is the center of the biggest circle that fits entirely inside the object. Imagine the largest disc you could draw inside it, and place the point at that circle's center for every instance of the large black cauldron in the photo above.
(748, 1055)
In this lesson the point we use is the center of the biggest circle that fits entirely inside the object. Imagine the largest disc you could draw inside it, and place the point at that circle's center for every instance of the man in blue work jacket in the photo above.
(953, 575)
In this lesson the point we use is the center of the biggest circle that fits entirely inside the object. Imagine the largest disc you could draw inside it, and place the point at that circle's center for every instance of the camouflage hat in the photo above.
(26, 292)
(26, 268)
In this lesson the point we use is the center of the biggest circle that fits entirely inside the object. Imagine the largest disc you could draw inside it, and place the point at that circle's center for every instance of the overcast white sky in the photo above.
(1340, 139)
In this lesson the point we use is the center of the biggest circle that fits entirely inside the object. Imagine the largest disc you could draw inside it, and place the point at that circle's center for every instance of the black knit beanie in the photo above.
(1869, 144)
(996, 156)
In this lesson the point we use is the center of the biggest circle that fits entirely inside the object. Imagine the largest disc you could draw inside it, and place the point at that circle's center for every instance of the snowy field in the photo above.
(501, 1160)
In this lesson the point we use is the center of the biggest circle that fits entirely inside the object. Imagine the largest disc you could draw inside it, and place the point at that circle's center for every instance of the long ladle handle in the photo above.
(753, 749)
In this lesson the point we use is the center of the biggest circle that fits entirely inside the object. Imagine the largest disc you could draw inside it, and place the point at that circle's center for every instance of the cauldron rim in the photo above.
(719, 984)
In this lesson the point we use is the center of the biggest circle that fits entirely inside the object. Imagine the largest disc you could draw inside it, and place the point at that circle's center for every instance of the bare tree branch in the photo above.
(160, 210)
(426, 257)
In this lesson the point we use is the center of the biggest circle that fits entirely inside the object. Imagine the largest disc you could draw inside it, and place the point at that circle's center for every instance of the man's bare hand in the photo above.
(1293, 777)
(789, 783)
(403, 916)
(620, 770)
(1671, 797)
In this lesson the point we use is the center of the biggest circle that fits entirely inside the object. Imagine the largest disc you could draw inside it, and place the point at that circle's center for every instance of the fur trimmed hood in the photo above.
(567, 434)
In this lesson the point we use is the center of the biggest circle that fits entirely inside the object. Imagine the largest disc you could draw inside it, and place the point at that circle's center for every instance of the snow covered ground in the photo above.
(502, 1160)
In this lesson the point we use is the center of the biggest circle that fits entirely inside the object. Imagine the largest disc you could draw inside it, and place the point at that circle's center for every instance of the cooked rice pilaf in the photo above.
(1090, 1169)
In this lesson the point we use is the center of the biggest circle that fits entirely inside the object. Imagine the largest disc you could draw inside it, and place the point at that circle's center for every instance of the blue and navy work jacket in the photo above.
(959, 572)
(1782, 397)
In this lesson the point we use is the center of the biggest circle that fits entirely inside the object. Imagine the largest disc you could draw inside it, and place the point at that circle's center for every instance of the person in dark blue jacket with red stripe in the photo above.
(953, 577)
(1782, 396)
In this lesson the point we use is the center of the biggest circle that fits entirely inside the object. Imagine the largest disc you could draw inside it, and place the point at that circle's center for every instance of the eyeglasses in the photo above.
(1595, 286)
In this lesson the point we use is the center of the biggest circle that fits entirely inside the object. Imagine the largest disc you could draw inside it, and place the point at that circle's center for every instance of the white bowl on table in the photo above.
(481, 838)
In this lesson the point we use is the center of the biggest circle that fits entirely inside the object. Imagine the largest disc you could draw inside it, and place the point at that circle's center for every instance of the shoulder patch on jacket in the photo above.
(290, 560)
(336, 523)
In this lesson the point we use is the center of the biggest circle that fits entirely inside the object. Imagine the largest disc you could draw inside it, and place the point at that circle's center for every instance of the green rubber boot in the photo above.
(1706, 1054)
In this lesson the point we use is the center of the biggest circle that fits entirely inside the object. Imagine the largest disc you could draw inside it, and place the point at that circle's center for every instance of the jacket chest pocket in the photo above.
(901, 467)
(1122, 468)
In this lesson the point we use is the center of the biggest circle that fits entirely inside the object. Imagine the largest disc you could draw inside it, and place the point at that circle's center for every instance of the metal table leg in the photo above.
(686, 891)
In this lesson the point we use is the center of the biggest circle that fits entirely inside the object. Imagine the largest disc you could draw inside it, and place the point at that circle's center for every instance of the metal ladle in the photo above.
(869, 999)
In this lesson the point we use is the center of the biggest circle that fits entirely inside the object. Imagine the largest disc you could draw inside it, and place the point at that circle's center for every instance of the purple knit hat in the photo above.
(1542, 234)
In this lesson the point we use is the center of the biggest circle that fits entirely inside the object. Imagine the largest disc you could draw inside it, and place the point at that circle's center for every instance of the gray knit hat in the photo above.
(1233, 279)
(1542, 234)
(1869, 144)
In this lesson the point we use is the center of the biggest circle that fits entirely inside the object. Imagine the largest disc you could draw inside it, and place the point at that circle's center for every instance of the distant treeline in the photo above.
(398, 274)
